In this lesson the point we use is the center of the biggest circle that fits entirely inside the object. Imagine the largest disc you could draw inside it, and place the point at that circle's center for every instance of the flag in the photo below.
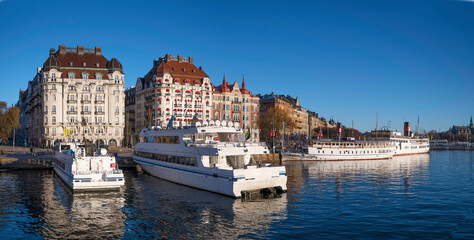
(247, 136)
(170, 123)
(195, 118)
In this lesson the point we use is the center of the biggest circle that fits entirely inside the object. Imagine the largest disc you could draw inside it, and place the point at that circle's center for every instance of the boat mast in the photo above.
(377, 125)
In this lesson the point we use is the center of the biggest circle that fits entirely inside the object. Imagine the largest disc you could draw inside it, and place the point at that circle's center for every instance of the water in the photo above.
(414, 197)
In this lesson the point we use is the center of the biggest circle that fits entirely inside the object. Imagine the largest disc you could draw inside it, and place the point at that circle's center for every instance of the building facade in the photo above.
(173, 87)
(289, 105)
(131, 135)
(232, 103)
(77, 91)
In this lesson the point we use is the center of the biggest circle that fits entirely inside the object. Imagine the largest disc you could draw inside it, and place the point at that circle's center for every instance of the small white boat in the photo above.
(212, 156)
(326, 150)
(83, 169)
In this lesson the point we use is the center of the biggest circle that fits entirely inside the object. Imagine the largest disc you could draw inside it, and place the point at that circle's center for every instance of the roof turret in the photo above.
(51, 62)
(114, 65)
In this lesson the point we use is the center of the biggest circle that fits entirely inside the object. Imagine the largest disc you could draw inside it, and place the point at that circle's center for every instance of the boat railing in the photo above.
(226, 144)
(114, 171)
(352, 145)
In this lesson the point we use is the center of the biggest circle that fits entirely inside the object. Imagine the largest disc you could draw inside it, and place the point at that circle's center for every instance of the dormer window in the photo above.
(184, 69)
(174, 69)
(98, 76)
(85, 75)
(71, 75)
(70, 63)
(194, 70)
(84, 64)
(97, 65)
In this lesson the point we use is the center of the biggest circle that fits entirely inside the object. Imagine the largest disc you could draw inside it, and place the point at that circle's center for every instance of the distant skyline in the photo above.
(343, 59)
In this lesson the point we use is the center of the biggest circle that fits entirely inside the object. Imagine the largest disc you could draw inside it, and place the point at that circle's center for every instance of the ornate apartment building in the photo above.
(173, 87)
(232, 103)
(77, 90)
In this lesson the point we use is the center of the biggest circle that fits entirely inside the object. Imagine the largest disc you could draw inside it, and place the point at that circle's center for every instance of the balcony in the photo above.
(85, 101)
(71, 90)
(117, 113)
(86, 113)
(99, 113)
(71, 101)
(198, 106)
(86, 90)
(116, 91)
(72, 112)
(177, 105)
(99, 102)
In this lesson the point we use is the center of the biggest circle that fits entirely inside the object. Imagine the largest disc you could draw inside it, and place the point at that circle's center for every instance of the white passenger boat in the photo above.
(212, 156)
(404, 145)
(83, 169)
(327, 150)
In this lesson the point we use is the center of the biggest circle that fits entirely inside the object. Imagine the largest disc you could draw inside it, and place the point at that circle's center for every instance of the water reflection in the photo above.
(170, 210)
(38, 204)
(345, 175)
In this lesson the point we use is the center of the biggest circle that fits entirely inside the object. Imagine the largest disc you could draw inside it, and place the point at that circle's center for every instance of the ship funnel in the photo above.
(406, 129)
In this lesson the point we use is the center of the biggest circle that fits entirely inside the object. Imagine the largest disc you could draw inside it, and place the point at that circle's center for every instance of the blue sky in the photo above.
(343, 59)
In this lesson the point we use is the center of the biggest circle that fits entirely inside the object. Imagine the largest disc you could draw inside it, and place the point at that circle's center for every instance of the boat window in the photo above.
(190, 161)
(65, 147)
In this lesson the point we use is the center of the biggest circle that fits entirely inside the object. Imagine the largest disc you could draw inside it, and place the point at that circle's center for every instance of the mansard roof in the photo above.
(178, 67)
(81, 59)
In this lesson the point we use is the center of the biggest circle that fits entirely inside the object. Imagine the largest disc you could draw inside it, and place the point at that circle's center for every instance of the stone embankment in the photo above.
(16, 158)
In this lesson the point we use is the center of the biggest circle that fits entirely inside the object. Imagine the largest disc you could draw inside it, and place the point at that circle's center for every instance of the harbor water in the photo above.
(427, 196)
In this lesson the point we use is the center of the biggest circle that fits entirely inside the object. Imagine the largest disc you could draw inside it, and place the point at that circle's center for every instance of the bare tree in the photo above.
(9, 119)
(266, 123)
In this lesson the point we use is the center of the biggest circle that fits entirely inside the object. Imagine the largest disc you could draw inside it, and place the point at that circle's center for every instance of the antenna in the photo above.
(418, 125)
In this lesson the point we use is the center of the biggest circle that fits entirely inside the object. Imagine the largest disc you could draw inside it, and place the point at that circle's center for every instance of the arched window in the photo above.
(216, 116)
(98, 76)
(116, 78)
(86, 109)
(99, 109)
(45, 109)
(117, 110)
(54, 120)
(53, 110)
(53, 76)
(46, 120)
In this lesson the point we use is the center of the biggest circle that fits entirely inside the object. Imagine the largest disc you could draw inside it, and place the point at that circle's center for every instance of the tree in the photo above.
(266, 123)
(9, 119)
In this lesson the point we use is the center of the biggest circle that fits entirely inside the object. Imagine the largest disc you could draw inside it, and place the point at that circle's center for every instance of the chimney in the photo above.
(190, 60)
(51, 51)
(62, 49)
(98, 51)
(168, 57)
(406, 129)
(180, 58)
(38, 70)
(200, 68)
(80, 50)
(155, 63)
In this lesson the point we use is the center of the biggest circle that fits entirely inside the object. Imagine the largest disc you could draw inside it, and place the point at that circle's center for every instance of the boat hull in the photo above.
(213, 180)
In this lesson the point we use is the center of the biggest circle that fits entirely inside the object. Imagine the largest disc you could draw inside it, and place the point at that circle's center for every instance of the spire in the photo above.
(224, 87)
(244, 90)
(471, 125)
